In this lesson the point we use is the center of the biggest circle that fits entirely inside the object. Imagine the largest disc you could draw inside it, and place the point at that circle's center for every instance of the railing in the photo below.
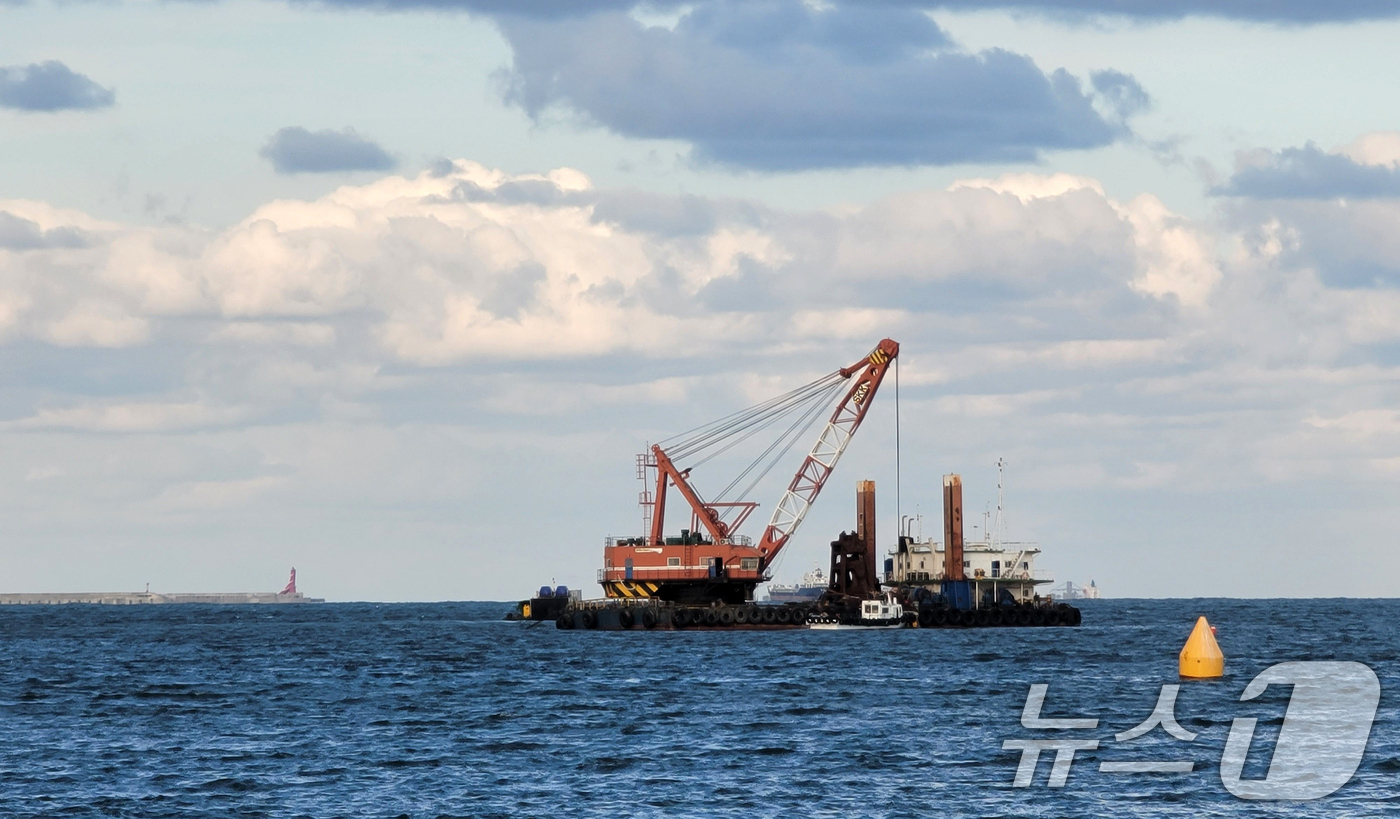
(733, 540)
(680, 573)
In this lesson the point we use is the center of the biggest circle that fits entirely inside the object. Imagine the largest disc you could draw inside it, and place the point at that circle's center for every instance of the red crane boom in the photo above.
(710, 561)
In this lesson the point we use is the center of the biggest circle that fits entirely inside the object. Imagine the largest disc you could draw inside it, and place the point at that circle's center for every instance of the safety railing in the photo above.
(733, 540)
(679, 573)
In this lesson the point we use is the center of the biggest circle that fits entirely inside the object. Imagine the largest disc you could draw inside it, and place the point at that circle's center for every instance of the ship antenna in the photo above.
(1001, 482)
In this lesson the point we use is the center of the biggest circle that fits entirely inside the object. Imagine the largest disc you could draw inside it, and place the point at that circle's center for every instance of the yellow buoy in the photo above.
(1201, 658)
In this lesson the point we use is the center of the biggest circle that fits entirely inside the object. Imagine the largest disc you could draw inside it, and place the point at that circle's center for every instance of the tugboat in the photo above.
(886, 613)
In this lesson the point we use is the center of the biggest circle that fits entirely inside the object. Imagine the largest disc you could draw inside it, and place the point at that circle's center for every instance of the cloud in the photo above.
(782, 85)
(131, 417)
(1332, 216)
(429, 349)
(466, 263)
(1311, 173)
(297, 150)
(1287, 12)
(50, 86)
(17, 233)
(1284, 11)
(520, 8)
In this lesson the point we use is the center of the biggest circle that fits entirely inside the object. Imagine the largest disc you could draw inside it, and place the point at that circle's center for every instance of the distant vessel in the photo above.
(808, 589)
(1069, 591)
(289, 594)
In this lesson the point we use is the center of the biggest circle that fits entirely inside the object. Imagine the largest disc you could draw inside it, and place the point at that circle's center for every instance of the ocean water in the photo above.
(444, 710)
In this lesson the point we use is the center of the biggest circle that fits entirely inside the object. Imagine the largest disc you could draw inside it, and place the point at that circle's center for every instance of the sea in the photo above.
(446, 710)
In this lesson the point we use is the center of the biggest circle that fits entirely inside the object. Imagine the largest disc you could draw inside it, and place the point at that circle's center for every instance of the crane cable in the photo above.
(705, 436)
(788, 439)
(899, 515)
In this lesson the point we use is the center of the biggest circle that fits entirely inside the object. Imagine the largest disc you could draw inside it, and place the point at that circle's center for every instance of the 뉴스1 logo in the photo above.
(1319, 747)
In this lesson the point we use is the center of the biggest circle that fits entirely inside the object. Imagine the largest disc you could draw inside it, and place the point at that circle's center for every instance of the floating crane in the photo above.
(711, 561)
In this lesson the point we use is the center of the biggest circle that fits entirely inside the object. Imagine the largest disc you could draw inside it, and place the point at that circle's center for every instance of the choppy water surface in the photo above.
(442, 710)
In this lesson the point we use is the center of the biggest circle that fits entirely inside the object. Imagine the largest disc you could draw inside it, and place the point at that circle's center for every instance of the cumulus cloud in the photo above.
(1311, 173)
(460, 338)
(785, 85)
(1333, 216)
(297, 150)
(464, 262)
(50, 86)
(1286, 11)
(17, 233)
(1073, 11)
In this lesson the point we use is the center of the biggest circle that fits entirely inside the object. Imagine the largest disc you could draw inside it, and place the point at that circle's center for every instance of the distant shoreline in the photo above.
(152, 598)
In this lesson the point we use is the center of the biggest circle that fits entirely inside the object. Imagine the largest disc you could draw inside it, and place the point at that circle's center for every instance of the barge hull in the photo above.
(661, 616)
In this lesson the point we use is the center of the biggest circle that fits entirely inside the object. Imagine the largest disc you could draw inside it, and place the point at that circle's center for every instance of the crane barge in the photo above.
(705, 576)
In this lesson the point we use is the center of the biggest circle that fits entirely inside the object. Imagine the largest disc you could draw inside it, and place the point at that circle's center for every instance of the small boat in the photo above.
(883, 613)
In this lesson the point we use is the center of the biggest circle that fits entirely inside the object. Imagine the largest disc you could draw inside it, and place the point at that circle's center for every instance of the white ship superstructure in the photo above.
(995, 565)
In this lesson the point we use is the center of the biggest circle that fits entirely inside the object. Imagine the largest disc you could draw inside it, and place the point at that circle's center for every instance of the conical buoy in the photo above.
(1201, 658)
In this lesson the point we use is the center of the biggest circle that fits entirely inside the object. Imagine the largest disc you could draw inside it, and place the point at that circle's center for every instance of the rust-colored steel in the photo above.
(952, 528)
(865, 524)
(853, 553)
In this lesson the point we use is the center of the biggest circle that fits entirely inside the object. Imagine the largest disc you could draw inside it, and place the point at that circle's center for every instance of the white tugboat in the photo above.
(883, 613)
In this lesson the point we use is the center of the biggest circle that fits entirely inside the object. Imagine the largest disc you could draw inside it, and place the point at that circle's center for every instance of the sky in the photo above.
(394, 291)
